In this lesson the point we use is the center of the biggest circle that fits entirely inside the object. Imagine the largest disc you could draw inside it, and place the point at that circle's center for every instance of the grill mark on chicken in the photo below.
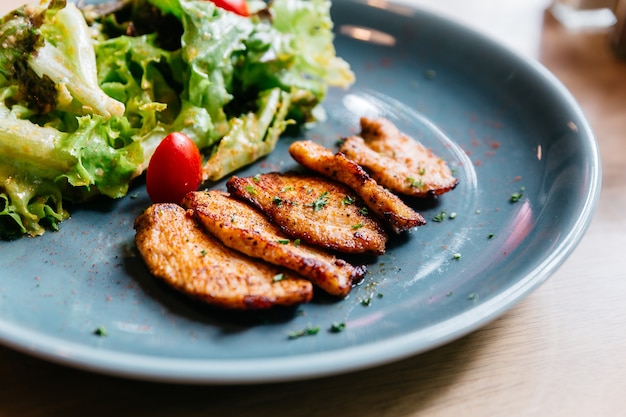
(314, 209)
(397, 161)
(177, 250)
(386, 205)
(243, 228)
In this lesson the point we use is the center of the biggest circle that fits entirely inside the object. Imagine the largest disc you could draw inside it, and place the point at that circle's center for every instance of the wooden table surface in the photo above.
(560, 352)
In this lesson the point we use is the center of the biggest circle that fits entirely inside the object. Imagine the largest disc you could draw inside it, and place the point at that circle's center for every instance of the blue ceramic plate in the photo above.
(505, 125)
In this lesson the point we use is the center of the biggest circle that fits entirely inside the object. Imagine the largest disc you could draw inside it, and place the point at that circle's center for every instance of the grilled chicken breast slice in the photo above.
(243, 228)
(314, 209)
(384, 204)
(398, 162)
(177, 250)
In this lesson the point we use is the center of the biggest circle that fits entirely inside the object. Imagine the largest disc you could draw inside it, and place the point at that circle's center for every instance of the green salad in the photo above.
(86, 95)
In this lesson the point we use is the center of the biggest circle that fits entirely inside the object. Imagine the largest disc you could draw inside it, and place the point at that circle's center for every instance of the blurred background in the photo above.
(560, 352)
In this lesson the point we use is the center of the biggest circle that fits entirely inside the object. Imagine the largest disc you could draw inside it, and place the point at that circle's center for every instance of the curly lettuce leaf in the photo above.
(48, 166)
(66, 57)
(296, 53)
(308, 30)
(250, 136)
(211, 38)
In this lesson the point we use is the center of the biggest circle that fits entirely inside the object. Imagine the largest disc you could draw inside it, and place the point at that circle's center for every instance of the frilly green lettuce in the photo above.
(86, 97)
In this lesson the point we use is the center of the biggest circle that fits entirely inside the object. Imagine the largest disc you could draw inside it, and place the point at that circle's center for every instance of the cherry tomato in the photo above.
(174, 169)
(236, 6)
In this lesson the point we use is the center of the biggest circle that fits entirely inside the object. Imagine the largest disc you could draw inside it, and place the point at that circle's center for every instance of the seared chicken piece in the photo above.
(386, 205)
(314, 209)
(397, 161)
(176, 249)
(241, 227)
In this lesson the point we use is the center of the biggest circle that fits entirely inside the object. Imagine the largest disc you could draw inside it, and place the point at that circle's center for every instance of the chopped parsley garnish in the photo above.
(515, 197)
(422, 171)
(278, 277)
(337, 327)
(278, 201)
(456, 256)
(415, 183)
(256, 178)
(307, 331)
(452, 216)
(366, 301)
(357, 226)
(250, 189)
(440, 217)
(283, 241)
(100, 331)
(363, 211)
(347, 200)
(203, 252)
(296, 243)
(320, 201)
(285, 189)
(490, 236)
